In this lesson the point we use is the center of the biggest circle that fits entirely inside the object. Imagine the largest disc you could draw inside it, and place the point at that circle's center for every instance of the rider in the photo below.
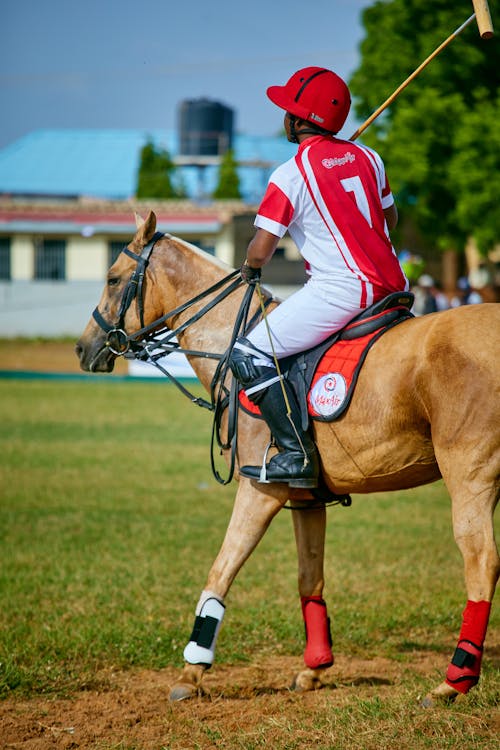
(334, 199)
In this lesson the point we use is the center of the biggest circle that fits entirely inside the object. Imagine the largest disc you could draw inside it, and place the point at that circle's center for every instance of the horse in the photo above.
(426, 406)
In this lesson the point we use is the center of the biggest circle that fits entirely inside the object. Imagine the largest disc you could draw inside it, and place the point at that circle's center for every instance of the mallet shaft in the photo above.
(410, 78)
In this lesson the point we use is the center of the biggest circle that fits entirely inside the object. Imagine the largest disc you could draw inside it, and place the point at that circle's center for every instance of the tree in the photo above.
(435, 127)
(475, 173)
(228, 186)
(154, 179)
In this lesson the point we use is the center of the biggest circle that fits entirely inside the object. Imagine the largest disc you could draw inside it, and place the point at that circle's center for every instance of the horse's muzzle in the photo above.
(96, 357)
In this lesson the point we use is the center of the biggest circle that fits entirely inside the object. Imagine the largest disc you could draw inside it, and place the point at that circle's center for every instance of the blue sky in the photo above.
(117, 63)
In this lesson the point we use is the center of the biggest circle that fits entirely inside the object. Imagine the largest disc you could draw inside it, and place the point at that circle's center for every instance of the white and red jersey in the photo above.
(331, 198)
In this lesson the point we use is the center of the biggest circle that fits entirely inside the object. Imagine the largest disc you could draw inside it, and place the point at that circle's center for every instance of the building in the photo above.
(67, 209)
(104, 164)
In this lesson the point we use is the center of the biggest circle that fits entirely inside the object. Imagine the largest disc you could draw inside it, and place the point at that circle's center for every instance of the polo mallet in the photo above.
(483, 18)
(485, 26)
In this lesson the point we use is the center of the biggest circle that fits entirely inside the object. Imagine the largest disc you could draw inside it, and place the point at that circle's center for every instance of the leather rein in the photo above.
(156, 340)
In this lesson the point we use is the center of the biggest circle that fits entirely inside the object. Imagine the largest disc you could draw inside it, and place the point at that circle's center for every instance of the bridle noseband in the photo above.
(117, 340)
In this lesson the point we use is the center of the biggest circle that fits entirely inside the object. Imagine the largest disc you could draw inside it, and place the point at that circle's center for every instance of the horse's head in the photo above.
(121, 309)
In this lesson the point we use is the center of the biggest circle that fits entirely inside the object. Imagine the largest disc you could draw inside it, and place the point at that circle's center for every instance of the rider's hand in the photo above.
(248, 274)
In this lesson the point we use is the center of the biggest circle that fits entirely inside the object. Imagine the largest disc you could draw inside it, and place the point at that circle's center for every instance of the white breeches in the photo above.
(306, 318)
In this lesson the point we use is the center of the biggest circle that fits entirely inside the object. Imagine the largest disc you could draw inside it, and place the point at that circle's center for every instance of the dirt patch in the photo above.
(45, 356)
(244, 707)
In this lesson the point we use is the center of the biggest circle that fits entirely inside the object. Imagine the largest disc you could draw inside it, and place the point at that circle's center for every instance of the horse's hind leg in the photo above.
(310, 526)
(252, 513)
(474, 534)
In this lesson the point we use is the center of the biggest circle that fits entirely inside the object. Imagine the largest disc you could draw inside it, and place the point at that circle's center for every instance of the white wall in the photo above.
(22, 254)
(46, 308)
(62, 308)
(86, 259)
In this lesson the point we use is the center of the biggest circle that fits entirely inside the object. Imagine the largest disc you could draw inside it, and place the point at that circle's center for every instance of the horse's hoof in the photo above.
(305, 681)
(182, 691)
(440, 696)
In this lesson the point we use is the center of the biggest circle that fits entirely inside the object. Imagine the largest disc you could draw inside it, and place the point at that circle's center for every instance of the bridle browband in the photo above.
(157, 336)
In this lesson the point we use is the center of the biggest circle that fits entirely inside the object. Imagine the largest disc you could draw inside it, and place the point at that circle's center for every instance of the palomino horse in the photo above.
(426, 406)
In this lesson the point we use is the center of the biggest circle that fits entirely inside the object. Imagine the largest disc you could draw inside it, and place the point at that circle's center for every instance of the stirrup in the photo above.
(269, 473)
(263, 470)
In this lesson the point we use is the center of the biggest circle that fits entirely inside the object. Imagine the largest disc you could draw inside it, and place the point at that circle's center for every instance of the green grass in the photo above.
(106, 493)
(110, 520)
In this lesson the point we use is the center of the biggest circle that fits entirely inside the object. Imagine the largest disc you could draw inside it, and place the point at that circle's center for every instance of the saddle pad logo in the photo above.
(328, 394)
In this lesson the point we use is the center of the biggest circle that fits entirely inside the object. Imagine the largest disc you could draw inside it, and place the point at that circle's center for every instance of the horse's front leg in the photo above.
(252, 513)
(474, 534)
(310, 526)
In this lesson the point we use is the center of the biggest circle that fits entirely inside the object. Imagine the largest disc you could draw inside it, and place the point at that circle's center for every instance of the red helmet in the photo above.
(317, 95)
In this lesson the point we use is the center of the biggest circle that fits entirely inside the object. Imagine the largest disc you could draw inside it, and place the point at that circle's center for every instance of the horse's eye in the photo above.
(113, 281)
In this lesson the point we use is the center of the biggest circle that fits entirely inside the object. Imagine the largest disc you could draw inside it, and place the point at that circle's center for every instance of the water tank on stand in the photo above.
(205, 128)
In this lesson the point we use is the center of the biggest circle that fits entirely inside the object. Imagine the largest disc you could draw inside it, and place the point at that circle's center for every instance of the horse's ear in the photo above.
(145, 228)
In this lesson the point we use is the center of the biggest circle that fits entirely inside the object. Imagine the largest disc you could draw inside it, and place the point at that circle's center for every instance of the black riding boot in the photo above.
(297, 462)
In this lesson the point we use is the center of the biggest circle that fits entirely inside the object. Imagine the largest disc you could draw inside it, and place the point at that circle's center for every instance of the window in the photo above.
(5, 272)
(50, 260)
(114, 250)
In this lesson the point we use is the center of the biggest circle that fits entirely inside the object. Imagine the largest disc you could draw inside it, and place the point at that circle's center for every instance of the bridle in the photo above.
(158, 337)
(117, 340)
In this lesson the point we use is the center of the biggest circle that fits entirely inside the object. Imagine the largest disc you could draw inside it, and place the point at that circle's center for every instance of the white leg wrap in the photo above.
(209, 616)
(205, 595)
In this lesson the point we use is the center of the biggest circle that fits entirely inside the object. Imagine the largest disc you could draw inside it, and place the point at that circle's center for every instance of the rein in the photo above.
(157, 336)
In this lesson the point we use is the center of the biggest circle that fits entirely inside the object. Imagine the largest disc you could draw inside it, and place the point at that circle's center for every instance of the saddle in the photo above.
(324, 377)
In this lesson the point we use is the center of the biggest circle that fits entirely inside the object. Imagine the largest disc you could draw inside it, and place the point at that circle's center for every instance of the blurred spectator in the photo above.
(465, 295)
(425, 300)
(442, 300)
(482, 282)
(429, 296)
(479, 277)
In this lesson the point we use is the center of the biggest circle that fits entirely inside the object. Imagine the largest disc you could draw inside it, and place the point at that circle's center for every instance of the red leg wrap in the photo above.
(318, 651)
(463, 672)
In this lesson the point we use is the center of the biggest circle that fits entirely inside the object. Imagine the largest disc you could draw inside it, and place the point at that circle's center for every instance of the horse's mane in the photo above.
(203, 254)
(216, 262)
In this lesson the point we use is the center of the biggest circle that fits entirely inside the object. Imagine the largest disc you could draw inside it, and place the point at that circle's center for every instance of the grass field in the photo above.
(109, 521)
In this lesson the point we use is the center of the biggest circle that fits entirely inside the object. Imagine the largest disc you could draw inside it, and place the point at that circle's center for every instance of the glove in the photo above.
(248, 274)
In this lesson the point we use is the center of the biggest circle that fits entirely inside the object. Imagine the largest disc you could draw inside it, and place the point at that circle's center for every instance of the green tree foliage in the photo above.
(228, 186)
(156, 172)
(439, 138)
(475, 172)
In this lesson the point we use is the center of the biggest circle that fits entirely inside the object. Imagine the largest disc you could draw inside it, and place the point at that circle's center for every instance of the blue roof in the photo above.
(104, 163)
